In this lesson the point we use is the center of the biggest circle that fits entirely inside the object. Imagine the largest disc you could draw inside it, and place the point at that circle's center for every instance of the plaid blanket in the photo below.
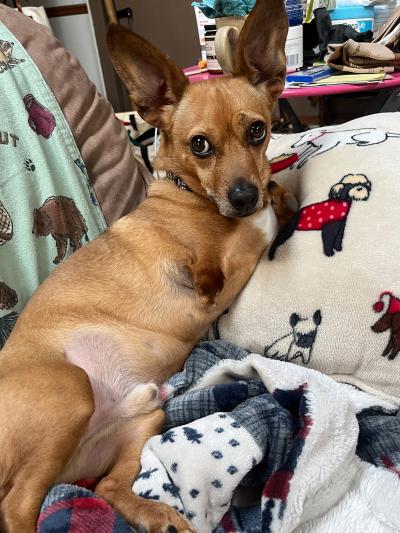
(257, 445)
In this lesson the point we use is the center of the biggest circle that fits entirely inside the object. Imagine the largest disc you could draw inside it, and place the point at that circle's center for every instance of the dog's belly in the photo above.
(120, 394)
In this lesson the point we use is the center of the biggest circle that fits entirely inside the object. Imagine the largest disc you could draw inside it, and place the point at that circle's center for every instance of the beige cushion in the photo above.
(316, 304)
(119, 181)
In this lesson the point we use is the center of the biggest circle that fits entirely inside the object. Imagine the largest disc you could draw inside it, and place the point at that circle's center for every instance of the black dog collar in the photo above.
(178, 182)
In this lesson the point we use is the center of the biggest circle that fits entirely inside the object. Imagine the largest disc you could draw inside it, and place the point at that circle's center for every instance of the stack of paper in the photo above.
(342, 78)
(353, 79)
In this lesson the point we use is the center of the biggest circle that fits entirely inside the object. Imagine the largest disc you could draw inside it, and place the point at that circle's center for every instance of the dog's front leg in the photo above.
(241, 253)
(116, 488)
(283, 203)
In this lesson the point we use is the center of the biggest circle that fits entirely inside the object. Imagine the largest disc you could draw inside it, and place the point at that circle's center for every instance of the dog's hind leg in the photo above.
(45, 408)
(116, 488)
(389, 347)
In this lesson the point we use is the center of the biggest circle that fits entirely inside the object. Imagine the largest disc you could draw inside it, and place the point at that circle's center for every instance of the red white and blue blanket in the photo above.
(258, 445)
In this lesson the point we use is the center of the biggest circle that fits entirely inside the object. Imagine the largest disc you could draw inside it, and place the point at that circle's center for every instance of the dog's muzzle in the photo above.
(243, 197)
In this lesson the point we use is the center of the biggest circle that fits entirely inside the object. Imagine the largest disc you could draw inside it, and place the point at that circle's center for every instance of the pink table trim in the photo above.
(303, 92)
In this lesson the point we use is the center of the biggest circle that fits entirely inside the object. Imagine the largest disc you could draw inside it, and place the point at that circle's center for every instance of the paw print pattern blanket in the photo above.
(47, 206)
(255, 445)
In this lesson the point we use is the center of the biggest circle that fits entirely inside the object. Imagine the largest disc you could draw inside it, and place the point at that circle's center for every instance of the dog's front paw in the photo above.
(146, 516)
(283, 203)
(164, 519)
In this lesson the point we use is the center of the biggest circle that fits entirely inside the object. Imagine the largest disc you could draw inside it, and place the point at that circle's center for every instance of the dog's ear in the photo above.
(317, 317)
(260, 52)
(336, 190)
(155, 84)
(294, 319)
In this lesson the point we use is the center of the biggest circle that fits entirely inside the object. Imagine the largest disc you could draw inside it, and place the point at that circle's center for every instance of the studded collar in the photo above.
(179, 182)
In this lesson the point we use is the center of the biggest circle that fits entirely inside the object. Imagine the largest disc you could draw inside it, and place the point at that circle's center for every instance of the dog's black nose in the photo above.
(243, 196)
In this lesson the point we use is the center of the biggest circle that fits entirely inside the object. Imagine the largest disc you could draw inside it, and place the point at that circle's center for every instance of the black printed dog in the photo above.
(329, 216)
(299, 343)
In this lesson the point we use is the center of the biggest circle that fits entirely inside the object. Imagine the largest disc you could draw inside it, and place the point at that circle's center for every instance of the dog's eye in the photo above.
(257, 133)
(200, 146)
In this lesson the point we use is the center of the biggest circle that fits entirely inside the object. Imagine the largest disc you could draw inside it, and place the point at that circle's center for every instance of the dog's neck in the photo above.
(179, 182)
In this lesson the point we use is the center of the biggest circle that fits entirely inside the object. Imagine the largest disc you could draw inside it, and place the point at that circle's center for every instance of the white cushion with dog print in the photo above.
(327, 292)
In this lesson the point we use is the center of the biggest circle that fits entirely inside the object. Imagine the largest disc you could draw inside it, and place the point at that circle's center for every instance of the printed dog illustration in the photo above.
(328, 216)
(389, 321)
(299, 343)
(319, 141)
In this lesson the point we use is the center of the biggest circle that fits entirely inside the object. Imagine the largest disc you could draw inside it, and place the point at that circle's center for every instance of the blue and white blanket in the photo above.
(259, 445)
(255, 445)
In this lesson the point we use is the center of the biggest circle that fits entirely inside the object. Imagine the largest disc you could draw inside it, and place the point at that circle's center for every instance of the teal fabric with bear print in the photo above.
(47, 206)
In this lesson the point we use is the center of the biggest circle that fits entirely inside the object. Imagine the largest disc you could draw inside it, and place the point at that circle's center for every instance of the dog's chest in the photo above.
(265, 220)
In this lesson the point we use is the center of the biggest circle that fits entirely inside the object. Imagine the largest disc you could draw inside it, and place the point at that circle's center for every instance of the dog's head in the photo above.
(214, 133)
(355, 187)
(305, 329)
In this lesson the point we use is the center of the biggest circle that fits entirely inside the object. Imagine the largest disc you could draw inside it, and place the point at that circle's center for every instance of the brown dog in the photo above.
(79, 376)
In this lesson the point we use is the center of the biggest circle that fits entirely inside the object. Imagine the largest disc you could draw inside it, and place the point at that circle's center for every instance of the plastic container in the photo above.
(209, 39)
(294, 41)
(359, 17)
(294, 11)
(294, 48)
(202, 21)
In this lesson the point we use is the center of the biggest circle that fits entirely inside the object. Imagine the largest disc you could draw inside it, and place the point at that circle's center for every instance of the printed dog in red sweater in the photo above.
(328, 216)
